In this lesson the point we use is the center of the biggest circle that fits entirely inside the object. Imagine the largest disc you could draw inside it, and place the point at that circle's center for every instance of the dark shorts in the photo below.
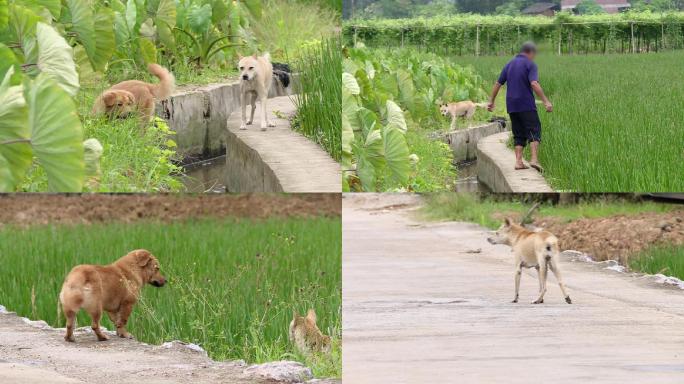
(526, 127)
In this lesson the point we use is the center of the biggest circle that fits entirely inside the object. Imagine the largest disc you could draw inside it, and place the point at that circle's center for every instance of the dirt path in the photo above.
(421, 306)
(31, 354)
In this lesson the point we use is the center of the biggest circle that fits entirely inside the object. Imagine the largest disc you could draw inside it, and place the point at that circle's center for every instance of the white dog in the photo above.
(532, 249)
(256, 76)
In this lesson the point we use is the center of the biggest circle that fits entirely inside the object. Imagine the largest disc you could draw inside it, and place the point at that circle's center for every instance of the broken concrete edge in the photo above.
(463, 142)
(282, 371)
(495, 162)
(198, 116)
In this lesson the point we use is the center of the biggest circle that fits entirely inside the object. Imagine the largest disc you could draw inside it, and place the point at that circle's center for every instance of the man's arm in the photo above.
(492, 99)
(540, 93)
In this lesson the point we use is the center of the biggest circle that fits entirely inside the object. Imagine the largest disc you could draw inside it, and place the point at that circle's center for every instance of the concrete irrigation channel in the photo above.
(431, 302)
(220, 157)
(485, 163)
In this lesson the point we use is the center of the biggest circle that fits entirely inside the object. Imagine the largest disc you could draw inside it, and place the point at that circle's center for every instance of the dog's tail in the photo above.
(552, 249)
(167, 83)
(267, 56)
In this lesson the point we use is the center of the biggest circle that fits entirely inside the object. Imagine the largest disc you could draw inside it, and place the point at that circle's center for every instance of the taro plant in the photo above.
(374, 151)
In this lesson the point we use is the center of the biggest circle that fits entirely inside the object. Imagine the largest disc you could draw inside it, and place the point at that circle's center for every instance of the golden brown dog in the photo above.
(306, 336)
(112, 288)
(121, 99)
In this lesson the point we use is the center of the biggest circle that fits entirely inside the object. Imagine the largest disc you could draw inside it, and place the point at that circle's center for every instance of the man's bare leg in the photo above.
(518, 158)
(534, 160)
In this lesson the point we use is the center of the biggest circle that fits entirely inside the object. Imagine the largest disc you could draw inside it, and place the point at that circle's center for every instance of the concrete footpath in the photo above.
(431, 303)
(279, 159)
(496, 168)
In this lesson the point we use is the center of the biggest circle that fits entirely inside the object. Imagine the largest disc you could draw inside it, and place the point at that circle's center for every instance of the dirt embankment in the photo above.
(617, 237)
(94, 208)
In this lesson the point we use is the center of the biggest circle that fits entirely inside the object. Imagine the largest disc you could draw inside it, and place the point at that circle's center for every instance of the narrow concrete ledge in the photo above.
(495, 168)
(463, 143)
(279, 159)
(198, 115)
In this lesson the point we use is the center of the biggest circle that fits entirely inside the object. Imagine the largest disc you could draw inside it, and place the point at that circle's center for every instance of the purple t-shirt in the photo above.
(519, 73)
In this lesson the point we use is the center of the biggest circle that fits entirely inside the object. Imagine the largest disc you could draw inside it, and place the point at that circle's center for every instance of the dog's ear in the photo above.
(507, 222)
(311, 315)
(255, 55)
(142, 257)
(109, 98)
(240, 57)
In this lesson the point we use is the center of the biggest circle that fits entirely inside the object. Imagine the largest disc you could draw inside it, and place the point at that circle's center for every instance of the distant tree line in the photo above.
(394, 9)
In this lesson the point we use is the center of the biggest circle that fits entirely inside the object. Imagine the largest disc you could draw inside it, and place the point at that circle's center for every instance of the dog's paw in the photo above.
(70, 339)
(538, 301)
(249, 122)
(243, 126)
(263, 128)
(567, 300)
(270, 124)
(514, 301)
(102, 337)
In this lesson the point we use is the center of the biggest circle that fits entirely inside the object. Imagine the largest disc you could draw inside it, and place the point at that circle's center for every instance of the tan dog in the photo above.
(532, 249)
(122, 99)
(306, 336)
(256, 76)
(112, 288)
(465, 109)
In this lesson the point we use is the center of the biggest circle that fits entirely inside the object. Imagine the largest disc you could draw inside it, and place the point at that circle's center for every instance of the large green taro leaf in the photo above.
(16, 157)
(56, 58)
(56, 134)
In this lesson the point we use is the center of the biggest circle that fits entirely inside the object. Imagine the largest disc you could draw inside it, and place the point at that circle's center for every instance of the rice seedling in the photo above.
(233, 284)
(319, 99)
(667, 259)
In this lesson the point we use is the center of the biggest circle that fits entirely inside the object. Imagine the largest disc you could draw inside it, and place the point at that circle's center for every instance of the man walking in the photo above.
(522, 78)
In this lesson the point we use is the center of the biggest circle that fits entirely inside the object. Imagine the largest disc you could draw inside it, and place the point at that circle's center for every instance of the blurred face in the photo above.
(119, 103)
(444, 110)
(501, 234)
(247, 67)
(150, 269)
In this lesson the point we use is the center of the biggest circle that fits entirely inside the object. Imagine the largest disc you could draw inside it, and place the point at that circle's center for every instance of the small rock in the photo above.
(281, 371)
(183, 346)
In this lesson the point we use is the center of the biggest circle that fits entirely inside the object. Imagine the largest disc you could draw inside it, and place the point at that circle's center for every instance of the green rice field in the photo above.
(233, 284)
(618, 121)
(667, 259)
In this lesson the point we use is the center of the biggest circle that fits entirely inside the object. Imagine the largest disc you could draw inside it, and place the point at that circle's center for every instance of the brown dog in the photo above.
(121, 99)
(112, 288)
(306, 336)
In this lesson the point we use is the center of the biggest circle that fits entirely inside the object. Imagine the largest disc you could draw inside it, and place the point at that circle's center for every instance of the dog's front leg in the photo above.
(518, 274)
(543, 272)
(453, 122)
(251, 116)
(265, 122)
(122, 319)
(243, 108)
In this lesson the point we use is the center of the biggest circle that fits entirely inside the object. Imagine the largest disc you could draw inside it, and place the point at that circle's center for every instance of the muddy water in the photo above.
(467, 178)
(205, 176)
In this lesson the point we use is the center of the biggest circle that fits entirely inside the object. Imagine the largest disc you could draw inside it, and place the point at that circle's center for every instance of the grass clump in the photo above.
(667, 259)
(319, 95)
(233, 284)
(488, 210)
